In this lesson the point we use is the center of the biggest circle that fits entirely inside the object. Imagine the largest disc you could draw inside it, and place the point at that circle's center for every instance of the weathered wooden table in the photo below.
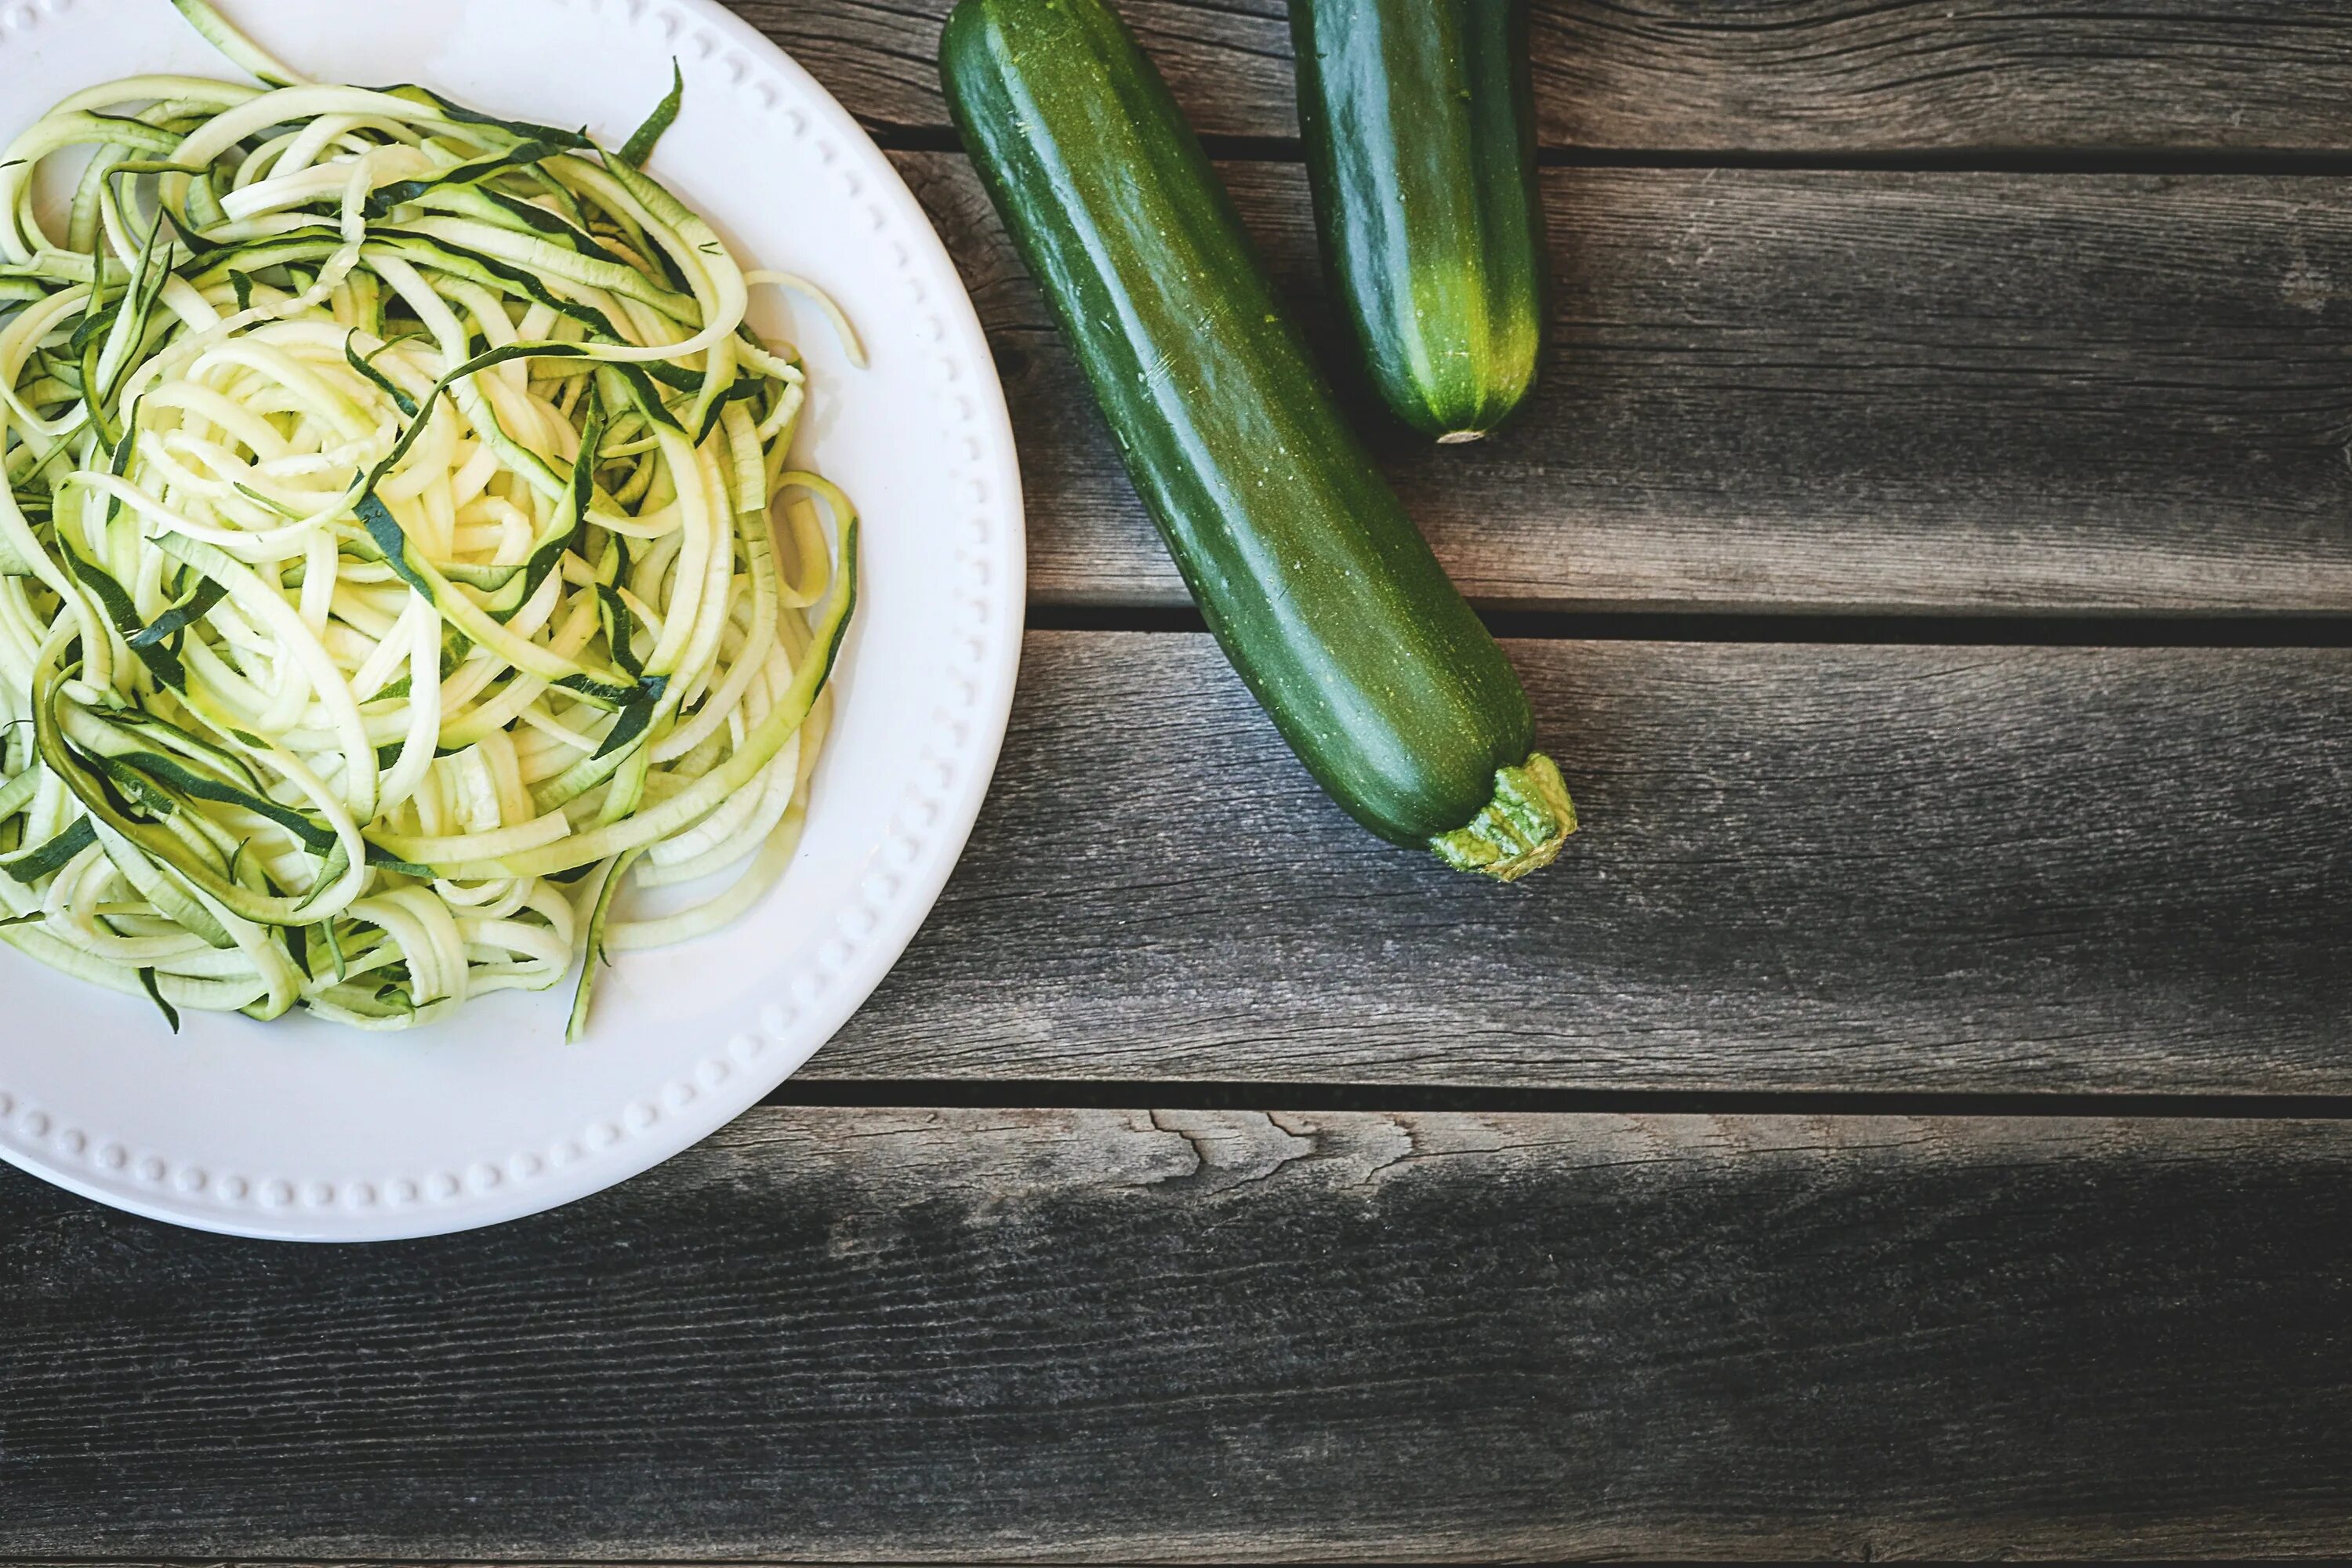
(1913, 1119)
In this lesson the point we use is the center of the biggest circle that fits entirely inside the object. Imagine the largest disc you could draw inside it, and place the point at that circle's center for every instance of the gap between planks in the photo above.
(1480, 1100)
(84, 1561)
(1921, 630)
(2093, 161)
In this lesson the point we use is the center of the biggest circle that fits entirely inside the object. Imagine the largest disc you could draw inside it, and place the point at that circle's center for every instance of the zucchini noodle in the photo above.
(399, 552)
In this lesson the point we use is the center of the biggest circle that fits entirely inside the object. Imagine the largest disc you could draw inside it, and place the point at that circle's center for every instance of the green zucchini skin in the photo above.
(1303, 564)
(1419, 121)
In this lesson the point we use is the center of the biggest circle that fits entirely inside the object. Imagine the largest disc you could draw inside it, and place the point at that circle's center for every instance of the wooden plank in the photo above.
(1792, 77)
(1784, 390)
(990, 1335)
(1805, 868)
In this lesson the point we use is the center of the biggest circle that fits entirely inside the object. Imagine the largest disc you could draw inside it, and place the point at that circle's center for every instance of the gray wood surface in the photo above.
(870, 1335)
(1802, 390)
(1799, 77)
(1805, 868)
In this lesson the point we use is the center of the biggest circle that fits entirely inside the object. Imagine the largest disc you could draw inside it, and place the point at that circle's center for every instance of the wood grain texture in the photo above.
(1804, 76)
(1804, 867)
(858, 1335)
(1786, 390)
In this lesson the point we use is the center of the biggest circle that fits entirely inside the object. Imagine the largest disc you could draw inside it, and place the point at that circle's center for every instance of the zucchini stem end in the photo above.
(1521, 829)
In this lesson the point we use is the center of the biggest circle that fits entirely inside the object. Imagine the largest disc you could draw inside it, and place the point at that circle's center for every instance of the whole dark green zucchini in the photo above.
(1323, 593)
(1419, 119)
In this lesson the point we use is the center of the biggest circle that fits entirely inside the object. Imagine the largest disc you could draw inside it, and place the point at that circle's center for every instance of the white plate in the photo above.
(303, 1131)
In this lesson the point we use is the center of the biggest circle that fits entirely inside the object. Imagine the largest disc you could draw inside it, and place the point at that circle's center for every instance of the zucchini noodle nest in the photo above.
(387, 567)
